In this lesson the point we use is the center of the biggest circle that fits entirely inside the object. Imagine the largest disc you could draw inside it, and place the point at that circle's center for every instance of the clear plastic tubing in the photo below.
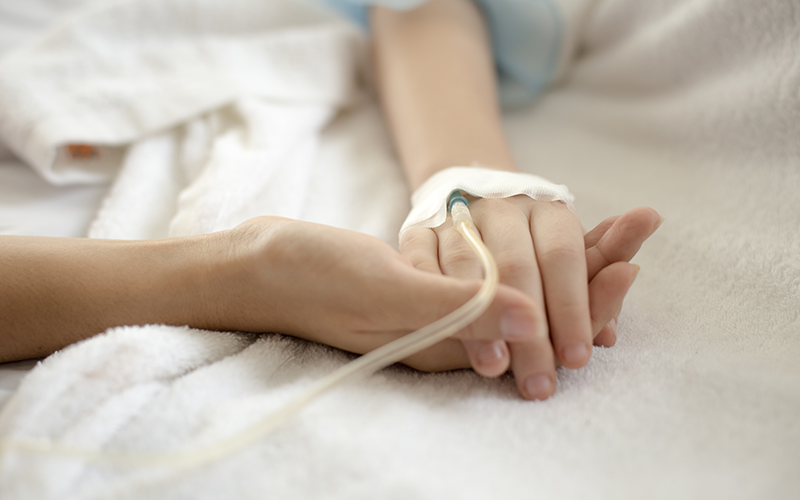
(357, 369)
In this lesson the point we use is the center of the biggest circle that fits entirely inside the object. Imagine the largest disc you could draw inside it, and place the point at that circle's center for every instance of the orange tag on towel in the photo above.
(82, 151)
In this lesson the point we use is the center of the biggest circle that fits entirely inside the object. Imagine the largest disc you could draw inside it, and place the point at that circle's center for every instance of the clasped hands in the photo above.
(560, 290)
(564, 289)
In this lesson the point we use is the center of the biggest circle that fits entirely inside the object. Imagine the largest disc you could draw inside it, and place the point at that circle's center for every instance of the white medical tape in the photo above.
(429, 201)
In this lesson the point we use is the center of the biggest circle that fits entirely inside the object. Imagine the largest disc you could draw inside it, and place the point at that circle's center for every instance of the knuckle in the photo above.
(417, 257)
(561, 252)
(493, 203)
(566, 309)
(559, 204)
(450, 238)
(426, 265)
(458, 257)
(560, 212)
(500, 206)
(414, 238)
(602, 252)
(516, 264)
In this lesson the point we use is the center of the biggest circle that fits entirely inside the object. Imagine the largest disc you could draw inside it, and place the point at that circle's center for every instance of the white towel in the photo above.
(116, 72)
(690, 106)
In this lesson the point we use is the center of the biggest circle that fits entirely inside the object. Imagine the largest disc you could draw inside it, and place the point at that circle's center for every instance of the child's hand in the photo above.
(437, 82)
(541, 251)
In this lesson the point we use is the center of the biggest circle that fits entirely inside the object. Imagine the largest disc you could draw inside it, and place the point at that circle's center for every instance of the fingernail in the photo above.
(661, 221)
(490, 353)
(635, 272)
(576, 354)
(613, 325)
(517, 325)
(538, 386)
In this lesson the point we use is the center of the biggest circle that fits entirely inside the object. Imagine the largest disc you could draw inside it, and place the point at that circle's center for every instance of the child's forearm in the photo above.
(56, 291)
(437, 83)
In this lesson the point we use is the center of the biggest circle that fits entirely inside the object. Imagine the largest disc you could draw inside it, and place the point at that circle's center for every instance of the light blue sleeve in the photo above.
(527, 39)
(357, 9)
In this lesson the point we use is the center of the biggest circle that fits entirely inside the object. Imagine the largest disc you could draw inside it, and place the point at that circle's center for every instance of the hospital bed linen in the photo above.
(687, 106)
(28, 204)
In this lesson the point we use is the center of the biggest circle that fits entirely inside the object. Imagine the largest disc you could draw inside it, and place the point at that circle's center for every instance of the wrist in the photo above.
(231, 278)
(201, 279)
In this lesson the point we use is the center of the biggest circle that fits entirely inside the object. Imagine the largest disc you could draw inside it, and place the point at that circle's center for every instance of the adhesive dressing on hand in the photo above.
(429, 209)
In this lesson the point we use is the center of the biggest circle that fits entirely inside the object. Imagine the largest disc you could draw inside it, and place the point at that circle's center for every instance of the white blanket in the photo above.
(687, 106)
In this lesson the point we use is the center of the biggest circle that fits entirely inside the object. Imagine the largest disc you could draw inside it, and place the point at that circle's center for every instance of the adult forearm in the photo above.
(56, 291)
(437, 83)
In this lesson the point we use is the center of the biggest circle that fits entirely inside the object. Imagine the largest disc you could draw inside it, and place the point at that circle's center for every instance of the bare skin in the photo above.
(560, 289)
(437, 82)
(316, 282)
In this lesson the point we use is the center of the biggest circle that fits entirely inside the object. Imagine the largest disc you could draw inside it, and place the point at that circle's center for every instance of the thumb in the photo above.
(435, 296)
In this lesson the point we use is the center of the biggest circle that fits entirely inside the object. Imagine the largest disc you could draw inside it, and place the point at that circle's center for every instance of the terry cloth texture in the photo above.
(688, 106)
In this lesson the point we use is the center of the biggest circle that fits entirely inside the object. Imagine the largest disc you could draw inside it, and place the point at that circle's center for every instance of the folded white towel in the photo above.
(116, 72)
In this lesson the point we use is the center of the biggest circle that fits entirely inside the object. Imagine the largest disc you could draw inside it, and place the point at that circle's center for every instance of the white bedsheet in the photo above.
(31, 206)
(670, 106)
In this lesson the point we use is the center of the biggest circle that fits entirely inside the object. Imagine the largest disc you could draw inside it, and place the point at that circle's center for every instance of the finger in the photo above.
(607, 291)
(507, 235)
(608, 335)
(419, 298)
(420, 245)
(446, 355)
(558, 241)
(485, 346)
(487, 357)
(591, 238)
(490, 358)
(444, 294)
(457, 259)
(622, 239)
(427, 297)
(532, 383)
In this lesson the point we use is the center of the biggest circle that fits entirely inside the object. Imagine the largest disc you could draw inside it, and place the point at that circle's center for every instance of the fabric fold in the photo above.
(113, 74)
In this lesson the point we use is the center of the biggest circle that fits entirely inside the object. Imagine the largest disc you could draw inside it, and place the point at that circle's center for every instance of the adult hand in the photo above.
(340, 288)
(268, 274)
